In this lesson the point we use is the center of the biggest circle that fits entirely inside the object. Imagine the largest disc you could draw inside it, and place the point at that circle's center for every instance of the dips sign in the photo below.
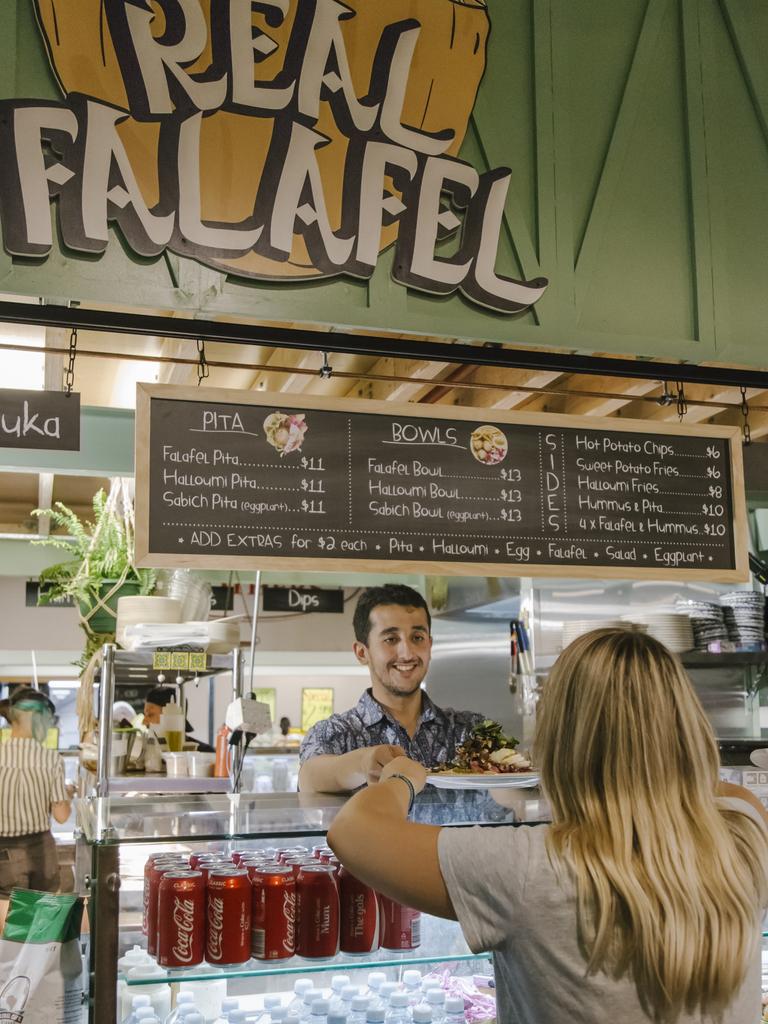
(282, 140)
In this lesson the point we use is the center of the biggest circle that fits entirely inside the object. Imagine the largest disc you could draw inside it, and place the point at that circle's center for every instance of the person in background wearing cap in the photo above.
(155, 701)
(32, 788)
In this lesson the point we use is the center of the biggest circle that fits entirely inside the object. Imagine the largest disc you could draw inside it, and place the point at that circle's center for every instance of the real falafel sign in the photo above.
(273, 139)
(232, 480)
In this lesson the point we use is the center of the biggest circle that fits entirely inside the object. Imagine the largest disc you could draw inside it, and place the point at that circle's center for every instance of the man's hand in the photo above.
(374, 759)
(402, 765)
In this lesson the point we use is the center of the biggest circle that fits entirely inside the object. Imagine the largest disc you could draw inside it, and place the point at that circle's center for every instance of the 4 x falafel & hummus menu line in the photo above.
(229, 479)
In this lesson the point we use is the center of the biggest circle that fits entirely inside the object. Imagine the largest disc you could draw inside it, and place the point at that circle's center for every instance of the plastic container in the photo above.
(172, 726)
(159, 993)
(210, 997)
(200, 764)
(223, 756)
(134, 957)
(175, 764)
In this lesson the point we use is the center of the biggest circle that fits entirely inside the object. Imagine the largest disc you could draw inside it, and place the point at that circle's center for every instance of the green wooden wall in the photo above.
(636, 131)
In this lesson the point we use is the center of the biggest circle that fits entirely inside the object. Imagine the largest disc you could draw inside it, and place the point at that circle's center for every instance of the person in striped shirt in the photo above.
(32, 789)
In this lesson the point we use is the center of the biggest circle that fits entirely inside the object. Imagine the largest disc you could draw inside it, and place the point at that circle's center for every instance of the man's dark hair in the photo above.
(390, 593)
(160, 695)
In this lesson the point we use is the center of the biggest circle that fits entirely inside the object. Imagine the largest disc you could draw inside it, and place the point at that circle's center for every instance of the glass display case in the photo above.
(117, 835)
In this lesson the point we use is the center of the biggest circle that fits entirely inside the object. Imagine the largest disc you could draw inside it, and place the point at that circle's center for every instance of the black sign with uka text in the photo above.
(302, 599)
(39, 419)
(267, 482)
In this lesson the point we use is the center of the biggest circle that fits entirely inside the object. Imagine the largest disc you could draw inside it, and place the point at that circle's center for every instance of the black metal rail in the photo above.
(378, 346)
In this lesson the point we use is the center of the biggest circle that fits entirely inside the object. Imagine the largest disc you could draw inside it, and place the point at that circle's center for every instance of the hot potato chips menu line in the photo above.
(257, 480)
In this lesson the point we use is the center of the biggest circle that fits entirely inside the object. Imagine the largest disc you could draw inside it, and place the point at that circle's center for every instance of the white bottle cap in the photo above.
(271, 1001)
(386, 990)
(311, 994)
(349, 992)
(194, 1018)
(278, 1014)
(138, 1001)
(301, 986)
(336, 1017)
(144, 1013)
(339, 981)
(376, 979)
(411, 978)
(374, 1015)
(454, 1004)
(399, 999)
(436, 997)
(228, 1003)
(320, 1008)
(360, 1004)
(422, 1014)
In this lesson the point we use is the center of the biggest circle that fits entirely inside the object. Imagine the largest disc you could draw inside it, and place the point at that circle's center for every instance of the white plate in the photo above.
(518, 780)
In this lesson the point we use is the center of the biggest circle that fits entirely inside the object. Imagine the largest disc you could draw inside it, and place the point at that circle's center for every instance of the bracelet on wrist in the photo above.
(411, 789)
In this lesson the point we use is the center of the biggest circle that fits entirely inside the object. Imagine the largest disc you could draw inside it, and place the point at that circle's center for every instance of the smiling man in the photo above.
(395, 716)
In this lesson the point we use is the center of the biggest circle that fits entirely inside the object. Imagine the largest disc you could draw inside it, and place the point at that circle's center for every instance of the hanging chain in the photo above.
(745, 430)
(682, 402)
(666, 397)
(69, 373)
(326, 369)
(203, 369)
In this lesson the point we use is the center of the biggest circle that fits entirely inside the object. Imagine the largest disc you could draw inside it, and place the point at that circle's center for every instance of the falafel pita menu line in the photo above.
(279, 139)
(230, 480)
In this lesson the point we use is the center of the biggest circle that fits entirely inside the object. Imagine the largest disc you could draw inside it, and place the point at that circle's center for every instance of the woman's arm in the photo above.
(373, 838)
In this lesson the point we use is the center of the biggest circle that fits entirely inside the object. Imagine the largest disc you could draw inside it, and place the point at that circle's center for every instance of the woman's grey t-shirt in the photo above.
(509, 899)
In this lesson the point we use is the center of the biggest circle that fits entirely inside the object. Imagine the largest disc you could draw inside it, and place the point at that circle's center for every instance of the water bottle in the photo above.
(338, 983)
(236, 1017)
(375, 1015)
(454, 1010)
(375, 980)
(141, 1002)
(310, 996)
(194, 1018)
(421, 1014)
(299, 988)
(346, 996)
(183, 999)
(398, 1012)
(146, 1015)
(278, 1014)
(272, 1001)
(228, 1004)
(436, 1000)
(359, 1009)
(318, 1013)
(337, 1017)
(386, 990)
(412, 985)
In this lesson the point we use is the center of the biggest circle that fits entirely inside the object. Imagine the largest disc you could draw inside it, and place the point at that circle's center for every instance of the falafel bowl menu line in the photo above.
(231, 479)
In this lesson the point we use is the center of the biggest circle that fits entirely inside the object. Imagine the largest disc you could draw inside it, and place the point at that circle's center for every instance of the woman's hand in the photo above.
(414, 771)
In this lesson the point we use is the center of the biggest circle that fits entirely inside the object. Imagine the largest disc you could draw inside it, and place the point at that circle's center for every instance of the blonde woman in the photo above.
(642, 901)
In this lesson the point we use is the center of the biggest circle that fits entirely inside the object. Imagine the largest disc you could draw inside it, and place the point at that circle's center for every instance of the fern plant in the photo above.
(100, 556)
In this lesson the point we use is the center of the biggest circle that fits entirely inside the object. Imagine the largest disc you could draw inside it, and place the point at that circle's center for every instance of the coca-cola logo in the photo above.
(215, 927)
(289, 914)
(184, 920)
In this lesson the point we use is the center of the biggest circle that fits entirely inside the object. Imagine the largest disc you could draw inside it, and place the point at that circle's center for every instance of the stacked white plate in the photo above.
(744, 612)
(672, 629)
(579, 626)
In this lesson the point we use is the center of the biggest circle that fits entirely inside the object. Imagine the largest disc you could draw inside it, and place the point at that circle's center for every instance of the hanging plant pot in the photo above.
(102, 619)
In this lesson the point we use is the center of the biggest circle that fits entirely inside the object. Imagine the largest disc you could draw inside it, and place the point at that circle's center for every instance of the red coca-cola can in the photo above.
(317, 912)
(400, 926)
(207, 866)
(181, 919)
(273, 922)
(196, 859)
(296, 863)
(324, 856)
(359, 915)
(237, 855)
(228, 916)
(154, 870)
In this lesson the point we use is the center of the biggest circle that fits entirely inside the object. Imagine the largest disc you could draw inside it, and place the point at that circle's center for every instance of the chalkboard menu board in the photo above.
(229, 479)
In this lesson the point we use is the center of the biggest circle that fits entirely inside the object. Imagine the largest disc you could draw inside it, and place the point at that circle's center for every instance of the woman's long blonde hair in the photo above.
(670, 884)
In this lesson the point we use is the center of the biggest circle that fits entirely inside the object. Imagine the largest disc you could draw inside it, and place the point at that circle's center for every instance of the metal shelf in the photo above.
(135, 667)
(705, 659)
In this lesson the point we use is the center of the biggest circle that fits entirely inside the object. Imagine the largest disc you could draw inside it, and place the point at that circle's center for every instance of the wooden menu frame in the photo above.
(145, 557)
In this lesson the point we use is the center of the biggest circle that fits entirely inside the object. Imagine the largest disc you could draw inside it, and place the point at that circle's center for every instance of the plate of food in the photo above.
(487, 759)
